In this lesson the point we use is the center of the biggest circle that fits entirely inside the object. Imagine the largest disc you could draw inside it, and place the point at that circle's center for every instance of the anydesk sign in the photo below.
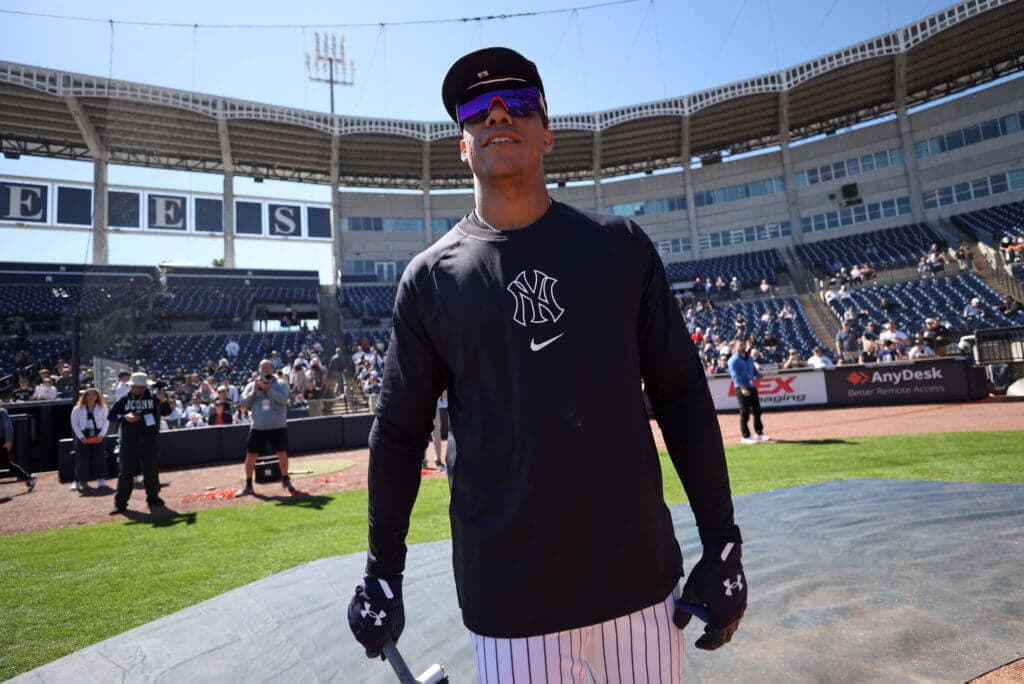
(787, 388)
(896, 383)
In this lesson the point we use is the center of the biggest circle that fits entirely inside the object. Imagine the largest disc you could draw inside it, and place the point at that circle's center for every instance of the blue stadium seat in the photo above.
(751, 268)
(887, 248)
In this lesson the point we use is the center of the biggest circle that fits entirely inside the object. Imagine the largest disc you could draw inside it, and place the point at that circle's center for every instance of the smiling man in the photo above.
(564, 551)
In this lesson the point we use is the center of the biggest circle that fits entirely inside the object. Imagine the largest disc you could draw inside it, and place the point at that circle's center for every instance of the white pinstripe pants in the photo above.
(640, 648)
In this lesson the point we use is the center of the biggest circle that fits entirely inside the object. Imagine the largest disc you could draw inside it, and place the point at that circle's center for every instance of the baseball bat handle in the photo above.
(397, 664)
(699, 612)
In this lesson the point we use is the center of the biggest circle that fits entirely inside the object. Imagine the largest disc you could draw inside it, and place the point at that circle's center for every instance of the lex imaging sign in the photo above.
(939, 380)
(805, 388)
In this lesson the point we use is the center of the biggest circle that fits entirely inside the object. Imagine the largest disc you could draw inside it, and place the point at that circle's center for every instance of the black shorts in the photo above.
(258, 440)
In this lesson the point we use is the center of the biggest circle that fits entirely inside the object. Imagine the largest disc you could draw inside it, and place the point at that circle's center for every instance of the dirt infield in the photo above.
(52, 506)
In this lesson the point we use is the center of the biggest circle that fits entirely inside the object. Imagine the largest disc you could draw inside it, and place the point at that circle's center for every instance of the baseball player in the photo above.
(566, 563)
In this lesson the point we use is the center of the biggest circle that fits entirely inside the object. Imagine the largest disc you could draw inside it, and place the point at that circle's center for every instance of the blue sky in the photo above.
(590, 59)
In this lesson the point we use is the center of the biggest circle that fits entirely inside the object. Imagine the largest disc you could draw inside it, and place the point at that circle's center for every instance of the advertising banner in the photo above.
(898, 383)
(787, 388)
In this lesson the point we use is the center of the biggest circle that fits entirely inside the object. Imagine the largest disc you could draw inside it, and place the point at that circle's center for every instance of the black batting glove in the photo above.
(718, 584)
(376, 613)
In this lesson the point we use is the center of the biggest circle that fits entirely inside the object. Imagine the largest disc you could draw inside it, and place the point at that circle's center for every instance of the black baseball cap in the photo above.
(478, 72)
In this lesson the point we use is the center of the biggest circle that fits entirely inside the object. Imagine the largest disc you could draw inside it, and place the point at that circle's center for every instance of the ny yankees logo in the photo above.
(535, 298)
(378, 618)
(730, 585)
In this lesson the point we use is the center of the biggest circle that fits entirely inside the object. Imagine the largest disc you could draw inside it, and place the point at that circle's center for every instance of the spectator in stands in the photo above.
(819, 361)
(268, 400)
(335, 371)
(207, 393)
(121, 387)
(1004, 248)
(765, 287)
(196, 407)
(736, 288)
(787, 313)
(7, 450)
(220, 412)
(372, 391)
(139, 414)
(744, 376)
(898, 337)
(176, 417)
(793, 360)
(870, 334)
(244, 416)
(275, 359)
(298, 379)
(973, 311)
(65, 383)
(843, 293)
(89, 424)
(847, 343)
(965, 258)
(719, 366)
(697, 336)
(45, 391)
(24, 390)
(890, 352)
(830, 295)
(231, 349)
(1009, 307)
(195, 420)
(920, 350)
(936, 259)
(769, 342)
(936, 334)
(924, 269)
(856, 274)
(869, 354)
(867, 272)
(231, 390)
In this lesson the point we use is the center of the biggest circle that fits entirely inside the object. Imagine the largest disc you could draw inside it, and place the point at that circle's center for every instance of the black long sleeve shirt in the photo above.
(542, 336)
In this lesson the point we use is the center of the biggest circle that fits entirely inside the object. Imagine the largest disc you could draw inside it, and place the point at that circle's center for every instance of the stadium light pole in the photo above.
(328, 63)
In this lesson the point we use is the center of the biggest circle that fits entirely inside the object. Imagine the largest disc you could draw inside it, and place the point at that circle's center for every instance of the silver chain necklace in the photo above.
(488, 226)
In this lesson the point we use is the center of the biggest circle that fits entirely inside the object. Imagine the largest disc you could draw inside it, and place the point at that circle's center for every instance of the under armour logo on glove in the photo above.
(730, 585)
(378, 618)
(711, 590)
(376, 613)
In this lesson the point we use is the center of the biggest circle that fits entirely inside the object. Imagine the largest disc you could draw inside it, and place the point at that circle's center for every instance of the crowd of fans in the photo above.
(718, 288)
(207, 395)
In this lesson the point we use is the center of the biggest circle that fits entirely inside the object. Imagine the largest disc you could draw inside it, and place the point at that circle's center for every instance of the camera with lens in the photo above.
(268, 379)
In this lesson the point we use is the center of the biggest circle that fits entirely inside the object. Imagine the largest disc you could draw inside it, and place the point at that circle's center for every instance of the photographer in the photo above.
(89, 423)
(139, 414)
(267, 397)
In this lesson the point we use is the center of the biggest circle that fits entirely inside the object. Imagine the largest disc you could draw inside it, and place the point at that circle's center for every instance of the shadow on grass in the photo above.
(813, 442)
(160, 516)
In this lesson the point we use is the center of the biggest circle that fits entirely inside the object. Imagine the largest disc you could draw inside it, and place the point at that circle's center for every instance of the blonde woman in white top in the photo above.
(89, 423)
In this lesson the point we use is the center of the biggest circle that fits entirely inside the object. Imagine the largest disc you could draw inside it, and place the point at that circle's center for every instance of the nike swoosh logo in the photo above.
(537, 347)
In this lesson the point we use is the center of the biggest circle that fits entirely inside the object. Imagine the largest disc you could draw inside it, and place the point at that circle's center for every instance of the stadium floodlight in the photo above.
(327, 64)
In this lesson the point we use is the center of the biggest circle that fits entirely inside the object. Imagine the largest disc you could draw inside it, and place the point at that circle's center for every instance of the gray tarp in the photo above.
(850, 581)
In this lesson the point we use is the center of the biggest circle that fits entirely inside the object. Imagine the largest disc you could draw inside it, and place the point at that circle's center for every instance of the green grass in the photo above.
(62, 590)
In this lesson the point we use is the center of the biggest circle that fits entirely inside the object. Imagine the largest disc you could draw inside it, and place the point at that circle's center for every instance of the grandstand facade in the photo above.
(847, 142)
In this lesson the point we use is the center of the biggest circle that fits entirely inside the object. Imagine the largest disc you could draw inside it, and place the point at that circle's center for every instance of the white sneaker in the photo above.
(74, 487)
(748, 440)
(764, 438)
(138, 480)
(101, 483)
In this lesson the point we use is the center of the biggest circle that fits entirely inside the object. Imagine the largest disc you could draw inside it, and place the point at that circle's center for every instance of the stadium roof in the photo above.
(63, 115)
